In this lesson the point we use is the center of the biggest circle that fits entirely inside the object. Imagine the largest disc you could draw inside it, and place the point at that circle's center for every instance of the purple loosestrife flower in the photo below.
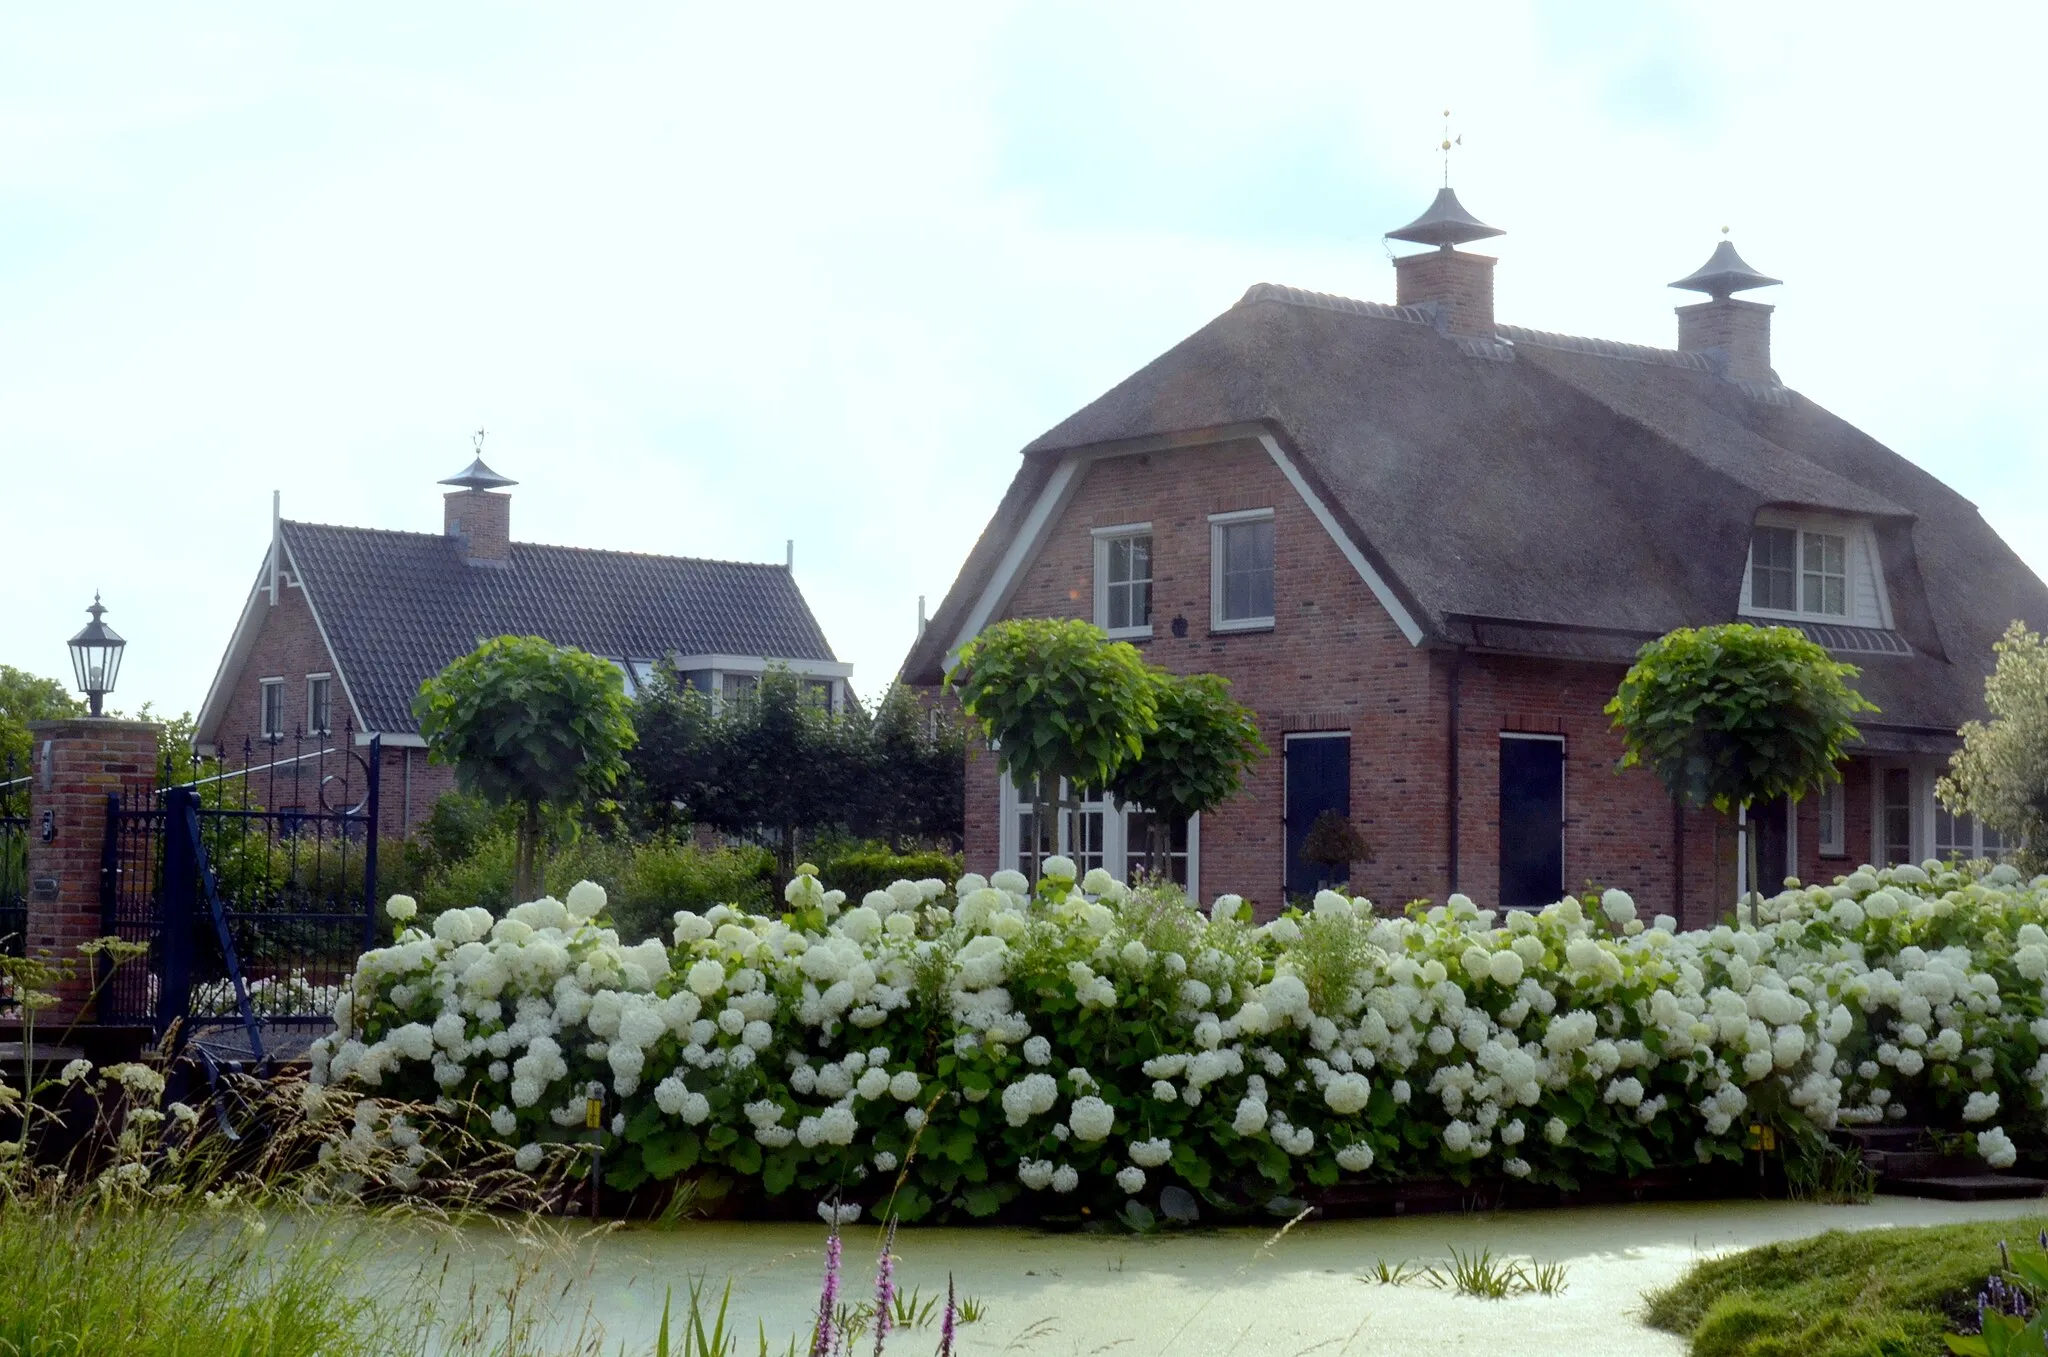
(949, 1322)
(885, 1287)
(828, 1299)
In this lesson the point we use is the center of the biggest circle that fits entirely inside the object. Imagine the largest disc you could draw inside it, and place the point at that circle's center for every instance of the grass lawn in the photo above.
(1863, 1293)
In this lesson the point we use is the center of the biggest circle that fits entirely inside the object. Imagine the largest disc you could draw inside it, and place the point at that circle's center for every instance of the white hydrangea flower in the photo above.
(1065, 1178)
(1091, 1118)
(1131, 1180)
(1996, 1148)
(401, 907)
(1982, 1106)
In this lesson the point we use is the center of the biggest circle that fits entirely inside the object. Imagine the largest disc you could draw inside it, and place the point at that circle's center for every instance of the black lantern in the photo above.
(96, 657)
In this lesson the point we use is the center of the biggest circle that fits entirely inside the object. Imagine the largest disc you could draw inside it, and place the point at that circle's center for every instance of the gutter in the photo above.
(1454, 793)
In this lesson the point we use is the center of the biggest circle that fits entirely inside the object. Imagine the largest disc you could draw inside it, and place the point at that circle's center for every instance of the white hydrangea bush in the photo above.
(1072, 1046)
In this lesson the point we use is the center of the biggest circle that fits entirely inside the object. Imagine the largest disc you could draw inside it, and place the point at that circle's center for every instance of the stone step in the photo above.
(1921, 1164)
(1966, 1187)
(1885, 1137)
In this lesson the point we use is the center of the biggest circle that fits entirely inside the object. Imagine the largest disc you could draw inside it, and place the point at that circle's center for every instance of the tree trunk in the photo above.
(1755, 856)
(525, 882)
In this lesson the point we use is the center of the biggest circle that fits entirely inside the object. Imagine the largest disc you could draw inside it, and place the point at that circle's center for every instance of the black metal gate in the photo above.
(13, 869)
(255, 889)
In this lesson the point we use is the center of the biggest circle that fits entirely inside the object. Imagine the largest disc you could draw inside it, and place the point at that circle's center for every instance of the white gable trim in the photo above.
(1066, 479)
(206, 731)
(1052, 500)
(1374, 581)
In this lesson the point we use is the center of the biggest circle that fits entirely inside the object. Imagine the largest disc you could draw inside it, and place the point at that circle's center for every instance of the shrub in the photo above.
(665, 876)
(1077, 1048)
(873, 869)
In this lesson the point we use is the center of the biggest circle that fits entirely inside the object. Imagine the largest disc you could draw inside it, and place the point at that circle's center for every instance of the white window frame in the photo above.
(1117, 849)
(1831, 815)
(264, 689)
(1860, 562)
(1103, 537)
(1968, 851)
(312, 710)
(1217, 524)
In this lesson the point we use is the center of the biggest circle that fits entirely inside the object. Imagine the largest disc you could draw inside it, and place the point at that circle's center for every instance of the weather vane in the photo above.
(1448, 142)
(477, 439)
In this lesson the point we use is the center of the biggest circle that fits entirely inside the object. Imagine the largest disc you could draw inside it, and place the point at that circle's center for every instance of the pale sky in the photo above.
(717, 276)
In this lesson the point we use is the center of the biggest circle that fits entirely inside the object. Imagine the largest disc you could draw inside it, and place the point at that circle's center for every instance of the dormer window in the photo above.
(1816, 569)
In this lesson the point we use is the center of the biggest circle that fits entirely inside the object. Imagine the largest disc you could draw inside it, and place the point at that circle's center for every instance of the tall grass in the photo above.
(161, 1283)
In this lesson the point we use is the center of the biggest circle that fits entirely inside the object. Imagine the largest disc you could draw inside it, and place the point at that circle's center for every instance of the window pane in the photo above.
(1127, 581)
(1772, 558)
(1247, 570)
(1826, 579)
(1897, 818)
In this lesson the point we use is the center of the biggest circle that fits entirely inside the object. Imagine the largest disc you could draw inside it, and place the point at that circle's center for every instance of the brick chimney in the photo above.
(1458, 284)
(1736, 334)
(480, 519)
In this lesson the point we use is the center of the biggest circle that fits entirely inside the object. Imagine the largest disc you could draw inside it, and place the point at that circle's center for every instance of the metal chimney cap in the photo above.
(1723, 274)
(1447, 223)
(477, 476)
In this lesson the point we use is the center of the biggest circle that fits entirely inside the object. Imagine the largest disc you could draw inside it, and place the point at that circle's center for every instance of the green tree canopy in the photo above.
(1058, 701)
(26, 697)
(1196, 756)
(528, 723)
(911, 761)
(2000, 775)
(1733, 715)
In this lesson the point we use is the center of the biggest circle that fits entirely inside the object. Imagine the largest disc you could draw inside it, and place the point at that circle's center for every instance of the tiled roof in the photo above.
(398, 606)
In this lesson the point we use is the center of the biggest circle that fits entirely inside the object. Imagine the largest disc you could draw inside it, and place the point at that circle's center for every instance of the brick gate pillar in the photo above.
(75, 765)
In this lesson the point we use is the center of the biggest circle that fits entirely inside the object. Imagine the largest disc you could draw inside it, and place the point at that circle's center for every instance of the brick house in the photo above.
(1424, 546)
(344, 624)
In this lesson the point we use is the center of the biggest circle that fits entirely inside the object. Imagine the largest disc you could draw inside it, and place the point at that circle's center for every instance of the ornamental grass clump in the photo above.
(1066, 1050)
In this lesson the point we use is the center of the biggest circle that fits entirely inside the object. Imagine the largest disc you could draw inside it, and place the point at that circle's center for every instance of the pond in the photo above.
(1196, 1294)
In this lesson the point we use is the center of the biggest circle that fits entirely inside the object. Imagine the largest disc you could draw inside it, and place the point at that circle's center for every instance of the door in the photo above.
(1318, 780)
(1531, 820)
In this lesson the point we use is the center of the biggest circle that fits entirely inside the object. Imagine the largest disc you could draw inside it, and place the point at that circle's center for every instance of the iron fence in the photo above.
(13, 859)
(253, 884)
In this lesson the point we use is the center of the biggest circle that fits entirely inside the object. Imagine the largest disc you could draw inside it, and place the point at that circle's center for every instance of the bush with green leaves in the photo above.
(1736, 715)
(1081, 1044)
(1058, 703)
(875, 868)
(2000, 775)
(528, 723)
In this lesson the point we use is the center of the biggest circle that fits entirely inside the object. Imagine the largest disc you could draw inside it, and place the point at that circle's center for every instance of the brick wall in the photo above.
(1461, 283)
(288, 645)
(88, 760)
(1737, 328)
(482, 519)
(1335, 660)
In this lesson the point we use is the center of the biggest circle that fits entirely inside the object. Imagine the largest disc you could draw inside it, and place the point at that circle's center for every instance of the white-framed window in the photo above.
(1813, 568)
(1832, 811)
(1894, 840)
(1123, 579)
(1799, 570)
(1099, 831)
(319, 704)
(1241, 570)
(1963, 837)
(273, 709)
(734, 687)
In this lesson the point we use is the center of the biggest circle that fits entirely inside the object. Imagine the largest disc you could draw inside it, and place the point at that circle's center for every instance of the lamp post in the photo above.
(96, 657)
